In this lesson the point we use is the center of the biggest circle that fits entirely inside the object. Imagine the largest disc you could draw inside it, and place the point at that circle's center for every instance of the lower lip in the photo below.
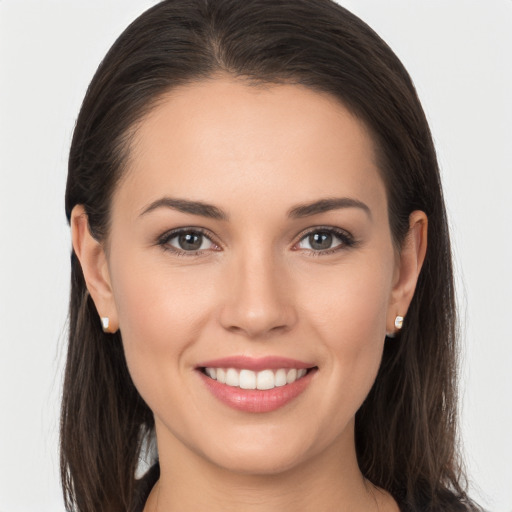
(255, 400)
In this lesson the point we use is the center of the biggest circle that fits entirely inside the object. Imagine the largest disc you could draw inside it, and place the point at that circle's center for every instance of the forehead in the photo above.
(222, 139)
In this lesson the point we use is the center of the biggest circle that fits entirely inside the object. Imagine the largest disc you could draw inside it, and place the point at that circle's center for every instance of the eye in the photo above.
(191, 241)
(326, 240)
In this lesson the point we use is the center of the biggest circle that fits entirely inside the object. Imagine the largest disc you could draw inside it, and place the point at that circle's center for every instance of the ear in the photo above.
(93, 261)
(410, 261)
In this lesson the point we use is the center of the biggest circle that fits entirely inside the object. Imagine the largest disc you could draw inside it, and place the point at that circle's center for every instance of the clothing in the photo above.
(144, 486)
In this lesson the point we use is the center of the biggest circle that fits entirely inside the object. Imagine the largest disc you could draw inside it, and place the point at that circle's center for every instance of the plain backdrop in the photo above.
(459, 55)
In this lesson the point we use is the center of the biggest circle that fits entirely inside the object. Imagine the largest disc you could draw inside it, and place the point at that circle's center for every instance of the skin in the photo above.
(258, 288)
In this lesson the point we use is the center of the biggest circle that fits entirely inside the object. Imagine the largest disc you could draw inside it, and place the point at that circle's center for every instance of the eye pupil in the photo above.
(190, 241)
(320, 240)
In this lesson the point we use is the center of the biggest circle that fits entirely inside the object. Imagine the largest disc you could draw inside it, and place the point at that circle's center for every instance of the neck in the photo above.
(330, 480)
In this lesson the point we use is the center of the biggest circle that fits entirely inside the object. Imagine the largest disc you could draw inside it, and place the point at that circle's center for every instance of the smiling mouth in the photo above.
(260, 380)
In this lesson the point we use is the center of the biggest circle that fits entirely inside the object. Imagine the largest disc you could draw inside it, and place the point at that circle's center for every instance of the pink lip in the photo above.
(255, 364)
(255, 400)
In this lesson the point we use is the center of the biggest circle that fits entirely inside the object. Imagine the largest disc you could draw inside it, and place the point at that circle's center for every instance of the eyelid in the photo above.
(346, 238)
(163, 240)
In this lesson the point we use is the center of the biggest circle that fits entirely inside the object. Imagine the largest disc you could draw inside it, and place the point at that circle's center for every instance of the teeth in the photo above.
(291, 376)
(221, 375)
(232, 378)
(265, 379)
(280, 378)
(211, 372)
(247, 379)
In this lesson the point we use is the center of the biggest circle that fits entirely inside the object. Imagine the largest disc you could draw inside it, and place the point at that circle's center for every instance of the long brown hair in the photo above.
(406, 437)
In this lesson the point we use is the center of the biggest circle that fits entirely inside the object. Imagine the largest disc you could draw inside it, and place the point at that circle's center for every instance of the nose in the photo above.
(258, 298)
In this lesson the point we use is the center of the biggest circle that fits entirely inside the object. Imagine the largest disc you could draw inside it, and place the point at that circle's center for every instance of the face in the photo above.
(250, 241)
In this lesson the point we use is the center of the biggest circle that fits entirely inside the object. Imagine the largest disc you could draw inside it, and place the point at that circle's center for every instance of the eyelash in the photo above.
(163, 241)
(347, 240)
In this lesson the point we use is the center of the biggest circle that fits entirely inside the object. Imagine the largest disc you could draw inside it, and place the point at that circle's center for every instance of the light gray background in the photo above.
(459, 55)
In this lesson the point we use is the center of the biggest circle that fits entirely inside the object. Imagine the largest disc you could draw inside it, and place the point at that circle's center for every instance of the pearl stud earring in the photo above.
(399, 322)
(105, 322)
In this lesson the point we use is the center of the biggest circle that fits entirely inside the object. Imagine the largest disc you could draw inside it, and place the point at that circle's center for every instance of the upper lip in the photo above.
(255, 364)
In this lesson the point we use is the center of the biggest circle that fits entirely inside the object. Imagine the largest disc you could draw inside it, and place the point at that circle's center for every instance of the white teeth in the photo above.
(211, 372)
(232, 378)
(291, 376)
(280, 378)
(221, 375)
(248, 379)
(266, 379)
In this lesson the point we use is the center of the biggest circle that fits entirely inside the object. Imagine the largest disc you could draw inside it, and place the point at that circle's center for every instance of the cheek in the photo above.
(349, 319)
(350, 304)
(160, 313)
(156, 302)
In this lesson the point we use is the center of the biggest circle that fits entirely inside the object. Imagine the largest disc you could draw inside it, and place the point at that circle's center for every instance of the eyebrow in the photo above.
(325, 205)
(186, 206)
(297, 212)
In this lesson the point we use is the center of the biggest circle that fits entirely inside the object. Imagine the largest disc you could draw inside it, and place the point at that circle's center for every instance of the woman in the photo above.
(251, 189)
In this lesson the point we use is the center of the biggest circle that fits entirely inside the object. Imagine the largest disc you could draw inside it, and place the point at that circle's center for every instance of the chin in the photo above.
(264, 455)
(261, 464)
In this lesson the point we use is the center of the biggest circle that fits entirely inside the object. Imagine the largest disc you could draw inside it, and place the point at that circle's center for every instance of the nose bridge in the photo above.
(258, 301)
